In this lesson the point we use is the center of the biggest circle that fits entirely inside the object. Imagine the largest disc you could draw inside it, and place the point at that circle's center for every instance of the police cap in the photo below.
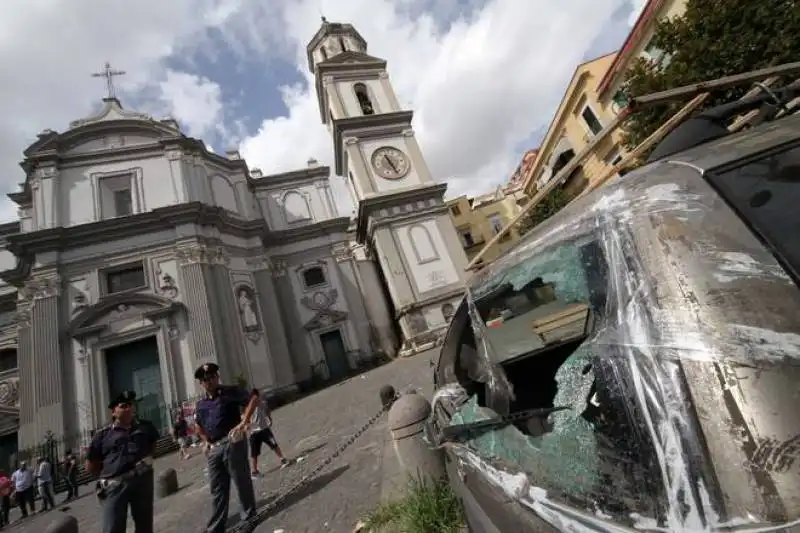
(205, 371)
(127, 396)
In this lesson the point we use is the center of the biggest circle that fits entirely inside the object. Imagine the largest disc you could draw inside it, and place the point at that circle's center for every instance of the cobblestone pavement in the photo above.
(310, 428)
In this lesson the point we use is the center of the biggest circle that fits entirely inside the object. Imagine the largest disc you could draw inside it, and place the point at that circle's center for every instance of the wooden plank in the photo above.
(554, 181)
(718, 84)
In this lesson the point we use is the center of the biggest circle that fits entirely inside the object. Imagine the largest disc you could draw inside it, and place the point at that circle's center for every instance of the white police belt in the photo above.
(141, 467)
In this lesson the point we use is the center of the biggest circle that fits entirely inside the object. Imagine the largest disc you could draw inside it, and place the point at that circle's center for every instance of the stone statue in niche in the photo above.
(247, 309)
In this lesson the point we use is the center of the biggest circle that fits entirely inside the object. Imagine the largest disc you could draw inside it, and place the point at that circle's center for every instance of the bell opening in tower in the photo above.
(364, 101)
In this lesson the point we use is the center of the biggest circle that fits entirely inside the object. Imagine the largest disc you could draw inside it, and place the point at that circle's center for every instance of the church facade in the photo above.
(139, 254)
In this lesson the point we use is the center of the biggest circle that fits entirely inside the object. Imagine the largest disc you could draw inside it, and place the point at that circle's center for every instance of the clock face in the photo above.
(390, 163)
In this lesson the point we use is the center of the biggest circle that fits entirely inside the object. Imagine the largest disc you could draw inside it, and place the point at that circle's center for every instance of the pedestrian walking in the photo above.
(44, 483)
(22, 479)
(261, 433)
(6, 487)
(180, 432)
(71, 476)
(221, 418)
(121, 455)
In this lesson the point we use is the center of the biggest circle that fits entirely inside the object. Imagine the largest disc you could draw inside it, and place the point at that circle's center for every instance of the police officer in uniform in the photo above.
(121, 455)
(222, 417)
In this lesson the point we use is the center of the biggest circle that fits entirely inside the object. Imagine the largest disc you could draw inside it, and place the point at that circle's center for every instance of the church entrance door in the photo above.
(335, 354)
(136, 366)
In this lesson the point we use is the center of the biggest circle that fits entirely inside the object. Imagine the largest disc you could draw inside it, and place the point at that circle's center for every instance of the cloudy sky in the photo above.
(483, 76)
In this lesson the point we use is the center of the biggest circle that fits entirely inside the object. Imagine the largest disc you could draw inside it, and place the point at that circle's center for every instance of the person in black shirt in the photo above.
(222, 416)
(121, 455)
(180, 432)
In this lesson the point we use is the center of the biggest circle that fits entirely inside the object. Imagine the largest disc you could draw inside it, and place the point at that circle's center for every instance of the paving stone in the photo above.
(310, 428)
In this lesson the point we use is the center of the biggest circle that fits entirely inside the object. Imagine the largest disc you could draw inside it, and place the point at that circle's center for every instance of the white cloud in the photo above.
(638, 7)
(195, 101)
(478, 87)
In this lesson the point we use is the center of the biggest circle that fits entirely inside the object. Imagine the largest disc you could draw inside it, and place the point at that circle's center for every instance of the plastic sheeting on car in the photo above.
(675, 318)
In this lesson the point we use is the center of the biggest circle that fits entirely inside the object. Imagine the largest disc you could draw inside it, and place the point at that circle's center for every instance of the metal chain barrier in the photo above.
(265, 512)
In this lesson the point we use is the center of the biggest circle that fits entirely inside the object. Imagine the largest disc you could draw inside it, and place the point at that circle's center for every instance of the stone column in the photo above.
(27, 408)
(355, 298)
(195, 285)
(273, 322)
(43, 372)
(224, 315)
(299, 354)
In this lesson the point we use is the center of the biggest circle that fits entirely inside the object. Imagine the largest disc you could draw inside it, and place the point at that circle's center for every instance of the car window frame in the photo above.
(764, 240)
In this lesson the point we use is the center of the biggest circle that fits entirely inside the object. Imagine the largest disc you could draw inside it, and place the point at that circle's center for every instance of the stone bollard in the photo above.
(407, 419)
(167, 483)
(63, 523)
(388, 395)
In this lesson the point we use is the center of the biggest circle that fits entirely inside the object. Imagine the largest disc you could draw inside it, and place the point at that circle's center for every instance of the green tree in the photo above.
(549, 206)
(713, 38)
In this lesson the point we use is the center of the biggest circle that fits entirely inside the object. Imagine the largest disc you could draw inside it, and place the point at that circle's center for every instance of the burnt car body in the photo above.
(662, 312)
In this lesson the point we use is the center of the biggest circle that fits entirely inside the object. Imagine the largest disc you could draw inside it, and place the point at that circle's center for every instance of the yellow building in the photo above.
(592, 100)
(579, 117)
(479, 219)
(637, 44)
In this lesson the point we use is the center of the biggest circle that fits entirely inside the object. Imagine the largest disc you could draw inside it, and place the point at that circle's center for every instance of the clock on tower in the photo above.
(401, 211)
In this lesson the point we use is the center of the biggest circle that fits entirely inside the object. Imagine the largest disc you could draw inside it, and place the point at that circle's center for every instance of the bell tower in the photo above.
(402, 216)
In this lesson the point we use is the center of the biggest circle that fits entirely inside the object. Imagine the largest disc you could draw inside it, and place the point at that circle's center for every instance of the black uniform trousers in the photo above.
(136, 492)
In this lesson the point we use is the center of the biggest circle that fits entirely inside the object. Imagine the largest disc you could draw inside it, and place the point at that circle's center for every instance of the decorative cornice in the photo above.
(293, 177)
(215, 255)
(331, 28)
(368, 206)
(308, 231)
(40, 287)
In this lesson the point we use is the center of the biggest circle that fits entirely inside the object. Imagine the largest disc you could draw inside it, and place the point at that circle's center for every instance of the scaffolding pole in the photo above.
(700, 92)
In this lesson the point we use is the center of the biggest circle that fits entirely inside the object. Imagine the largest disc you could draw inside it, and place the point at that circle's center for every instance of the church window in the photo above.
(116, 194)
(296, 208)
(422, 244)
(364, 101)
(342, 44)
(8, 359)
(324, 53)
(314, 277)
(126, 278)
(123, 202)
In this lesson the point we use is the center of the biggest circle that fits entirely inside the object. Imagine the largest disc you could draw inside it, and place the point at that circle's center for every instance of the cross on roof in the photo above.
(109, 73)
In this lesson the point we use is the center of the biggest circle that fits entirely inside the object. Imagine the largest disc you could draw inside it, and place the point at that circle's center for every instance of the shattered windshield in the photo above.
(536, 317)
(643, 359)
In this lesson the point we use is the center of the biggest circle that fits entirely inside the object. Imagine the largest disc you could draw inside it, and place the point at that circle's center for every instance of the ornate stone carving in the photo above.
(82, 355)
(408, 132)
(253, 336)
(44, 287)
(174, 155)
(383, 74)
(327, 80)
(342, 253)
(436, 278)
(167, 285)
(9, 393)
(47, 172)
(173, 333)
(258, 263)
(202, 254)
(278, 268)
(23, 317)
(350, 140)
(35, 184)
(322, 302)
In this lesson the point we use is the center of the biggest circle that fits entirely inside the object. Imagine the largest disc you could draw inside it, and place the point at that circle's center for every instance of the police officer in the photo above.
(222, 416)
(121, 455)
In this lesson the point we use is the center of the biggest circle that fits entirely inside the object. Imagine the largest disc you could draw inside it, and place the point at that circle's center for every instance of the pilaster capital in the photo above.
(40, 287)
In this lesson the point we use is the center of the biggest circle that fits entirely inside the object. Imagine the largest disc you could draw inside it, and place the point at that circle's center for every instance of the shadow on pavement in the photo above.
(313, 486)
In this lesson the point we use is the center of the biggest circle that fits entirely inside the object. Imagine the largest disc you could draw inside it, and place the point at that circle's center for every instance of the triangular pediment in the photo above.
(347, 58)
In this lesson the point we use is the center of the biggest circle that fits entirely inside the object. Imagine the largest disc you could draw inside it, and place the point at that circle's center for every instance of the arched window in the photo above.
(324, 53)
(295, 207)
(422, 244)
(8, 359)
(313, 277)
(364, 100)
(342, 44)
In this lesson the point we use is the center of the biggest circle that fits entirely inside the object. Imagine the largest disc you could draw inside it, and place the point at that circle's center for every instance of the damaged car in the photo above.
(634, 363)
